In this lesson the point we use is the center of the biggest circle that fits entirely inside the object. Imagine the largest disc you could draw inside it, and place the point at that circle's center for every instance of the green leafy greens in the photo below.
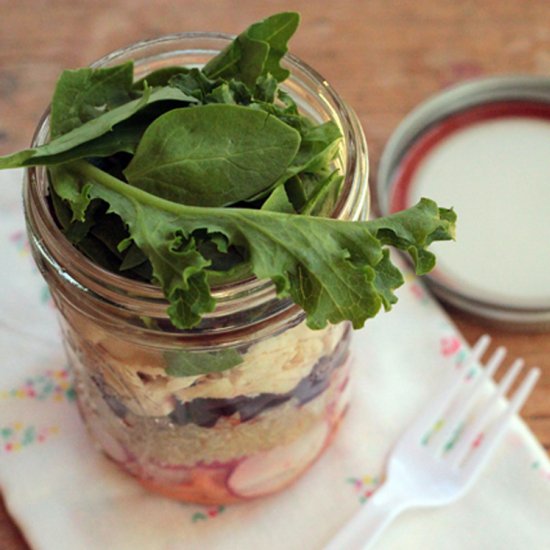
(257, 51)
(182, 363)
(190, 176)
(335, 270)
(242, 150)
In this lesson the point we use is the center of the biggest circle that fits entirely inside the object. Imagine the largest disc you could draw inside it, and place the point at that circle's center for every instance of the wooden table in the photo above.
(383, 56)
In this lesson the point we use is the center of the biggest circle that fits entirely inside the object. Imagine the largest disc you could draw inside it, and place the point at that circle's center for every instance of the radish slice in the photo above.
(267, 472)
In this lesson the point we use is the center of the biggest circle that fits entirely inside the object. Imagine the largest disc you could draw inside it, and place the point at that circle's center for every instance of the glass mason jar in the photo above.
(224, 436)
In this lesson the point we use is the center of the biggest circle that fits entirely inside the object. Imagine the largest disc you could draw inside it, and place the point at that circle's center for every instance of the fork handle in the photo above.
(365, 527)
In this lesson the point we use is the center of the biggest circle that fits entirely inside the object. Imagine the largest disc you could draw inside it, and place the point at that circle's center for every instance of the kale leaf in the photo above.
(335, 270)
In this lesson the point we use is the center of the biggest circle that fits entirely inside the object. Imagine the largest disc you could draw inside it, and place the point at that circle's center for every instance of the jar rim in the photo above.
(79, 270)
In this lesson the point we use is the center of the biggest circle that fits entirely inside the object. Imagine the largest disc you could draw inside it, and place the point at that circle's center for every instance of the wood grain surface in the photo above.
(383, 56)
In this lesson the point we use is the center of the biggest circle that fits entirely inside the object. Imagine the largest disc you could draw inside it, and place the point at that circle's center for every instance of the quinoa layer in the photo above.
(160, 441)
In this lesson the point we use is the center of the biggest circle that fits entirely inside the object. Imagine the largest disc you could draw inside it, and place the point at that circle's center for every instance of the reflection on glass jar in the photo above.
(224, 436)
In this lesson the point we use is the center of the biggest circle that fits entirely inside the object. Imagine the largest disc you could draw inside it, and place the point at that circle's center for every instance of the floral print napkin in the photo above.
(66, 495)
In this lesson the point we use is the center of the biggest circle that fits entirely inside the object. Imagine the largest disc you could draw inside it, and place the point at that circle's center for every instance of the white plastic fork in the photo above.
(439, 457)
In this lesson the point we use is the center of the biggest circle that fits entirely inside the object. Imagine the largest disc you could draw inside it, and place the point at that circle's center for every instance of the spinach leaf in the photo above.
(257, 51)
(324, 197)
(296, 192)
(243, 59)
(318, 148)
(192, 363)
(124, 137)
(212, 155)
(84, 94)
(66, 146)
(334, 270)
(278, 201)
(276, 30)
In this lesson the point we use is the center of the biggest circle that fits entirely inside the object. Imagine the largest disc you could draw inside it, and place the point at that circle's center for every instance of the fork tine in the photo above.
(451, 385)
(454, 420)
(493, 436)
(457, 454)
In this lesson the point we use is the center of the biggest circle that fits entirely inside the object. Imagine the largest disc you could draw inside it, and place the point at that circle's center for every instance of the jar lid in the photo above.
(483, 148)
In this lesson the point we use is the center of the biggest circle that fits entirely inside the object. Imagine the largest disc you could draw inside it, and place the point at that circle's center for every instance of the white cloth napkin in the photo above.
(65, 495)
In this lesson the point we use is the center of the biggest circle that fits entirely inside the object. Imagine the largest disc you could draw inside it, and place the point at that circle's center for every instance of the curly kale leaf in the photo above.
(335, 270)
